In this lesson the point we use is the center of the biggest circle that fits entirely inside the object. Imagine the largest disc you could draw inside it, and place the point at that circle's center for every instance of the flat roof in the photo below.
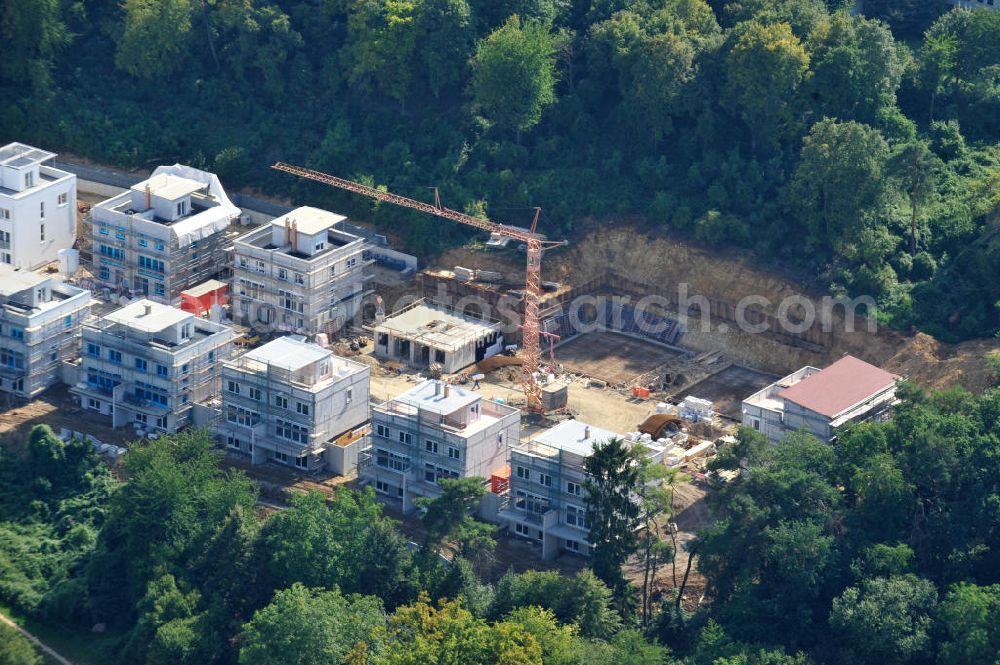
(422, 395)
(15, 281)
(160, 316)
(19, 155)
(288, 353)
(569, 436)
(169, 186)
(208, 286)
(309, 221)
(833, 390)
(436, 326)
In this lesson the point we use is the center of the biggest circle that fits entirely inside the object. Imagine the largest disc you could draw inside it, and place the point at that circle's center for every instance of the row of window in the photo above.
(286, 429)
(301, 462)
(150, 393)
(149, 263)
(431, 446)
(545, 480)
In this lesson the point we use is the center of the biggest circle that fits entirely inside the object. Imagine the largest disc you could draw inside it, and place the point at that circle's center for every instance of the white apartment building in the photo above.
(149, 363)
(974, 4)
(296, 403)
(434, 431)
(301, 273)
(547, 500)
(164, 235)
(40, 320)
(819, 401)
(37, 207)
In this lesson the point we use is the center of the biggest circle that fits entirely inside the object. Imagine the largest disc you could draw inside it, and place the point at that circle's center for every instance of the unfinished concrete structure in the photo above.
(37, 207)
(148, 363)
(435, 431)
(425, 332)
(301, 273)
(167, 234)
(547, 500)
(295, 403)
(818, 401)
(40, 319)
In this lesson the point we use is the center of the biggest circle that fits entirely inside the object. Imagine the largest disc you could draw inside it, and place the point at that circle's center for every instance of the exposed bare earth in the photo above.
(611, 357)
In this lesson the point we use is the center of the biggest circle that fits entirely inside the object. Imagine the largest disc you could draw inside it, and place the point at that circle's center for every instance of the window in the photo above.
(41, 214)
(349, 395)
(281, 402)
(574, 489)
(148, 393)
(254, 394)
(281, 457)
(320, 246)
(302, 462)
(523, 473)
(352, 262)
(7, 258)
(41, 232)
(282, 274)
(756, 424)
(161, 422)
(113, 253)
(260, 267)
(142, 242)
(16, 333)
(404, 437)
(149, 263)
(140, 364)
(181, 208)
(29, 179)
(381, 486)
(104, 273)
(211, 356)
(4, 213)
(68, 321)
(233, 387)
(545, 480)
(431, 446)
(453, 453)
(301, 408)
(161, 370)
(291, 431)
(576, 516)
(233, 442)
(186, 331)
(300, 278)
(241, 416)
(531, 503)
(390, 460)
(93, 404)
(93, 350)
(382, 430)
(115, 356)
(433, 473)
(573, 546)
(63, 199)
(141, 418)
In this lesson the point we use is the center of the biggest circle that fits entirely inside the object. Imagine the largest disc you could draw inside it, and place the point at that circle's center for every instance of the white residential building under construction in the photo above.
(434, 431)
(40, 321)
(166, 234)
(147, 364)
(295, 403)
(37, 207)
(301, 273)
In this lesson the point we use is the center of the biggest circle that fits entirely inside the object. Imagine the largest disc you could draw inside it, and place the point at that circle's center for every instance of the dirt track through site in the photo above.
(612, 357)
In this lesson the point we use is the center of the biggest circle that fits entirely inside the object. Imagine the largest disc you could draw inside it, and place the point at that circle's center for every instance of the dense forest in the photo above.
(871, 141)
(883, 548)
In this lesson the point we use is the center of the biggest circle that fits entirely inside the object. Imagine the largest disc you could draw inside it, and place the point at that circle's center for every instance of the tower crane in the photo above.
(535, 244)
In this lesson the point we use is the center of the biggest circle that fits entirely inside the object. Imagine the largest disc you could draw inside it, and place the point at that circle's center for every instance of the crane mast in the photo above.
(530, 329)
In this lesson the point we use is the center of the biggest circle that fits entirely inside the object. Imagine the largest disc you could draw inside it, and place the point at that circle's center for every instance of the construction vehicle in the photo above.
(534, 244)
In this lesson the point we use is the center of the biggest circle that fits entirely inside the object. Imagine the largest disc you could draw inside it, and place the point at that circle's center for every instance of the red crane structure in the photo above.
(535, 244)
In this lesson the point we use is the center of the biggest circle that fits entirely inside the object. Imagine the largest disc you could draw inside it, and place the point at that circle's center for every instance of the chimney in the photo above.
(446, 389)
(148, 310)
(295, 235)
(148, 195)
(437, 388)
(288, 231)
(586, 432)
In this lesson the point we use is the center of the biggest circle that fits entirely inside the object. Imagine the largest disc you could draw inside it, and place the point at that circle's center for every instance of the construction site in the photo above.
(628, 331)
